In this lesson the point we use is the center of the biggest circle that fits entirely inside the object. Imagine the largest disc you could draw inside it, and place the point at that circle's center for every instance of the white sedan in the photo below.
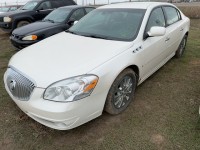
(72, 77)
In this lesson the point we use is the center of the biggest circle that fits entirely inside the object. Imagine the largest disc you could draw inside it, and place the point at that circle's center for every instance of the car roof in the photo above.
(75, 7)
(136, 5)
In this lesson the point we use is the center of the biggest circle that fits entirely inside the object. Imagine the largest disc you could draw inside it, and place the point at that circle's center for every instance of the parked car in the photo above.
(9, 8)
(69, 79)
(31, 12)
(57, 21)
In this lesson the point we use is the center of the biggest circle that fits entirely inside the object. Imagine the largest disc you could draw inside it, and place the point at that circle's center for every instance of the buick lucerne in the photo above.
(70, 78)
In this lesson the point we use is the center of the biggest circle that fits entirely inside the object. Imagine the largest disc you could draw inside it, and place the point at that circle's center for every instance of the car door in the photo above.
(43, 9)
(154, 47)
(174, 28)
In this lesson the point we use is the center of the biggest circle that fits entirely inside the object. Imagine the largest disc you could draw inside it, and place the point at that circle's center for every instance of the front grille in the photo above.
(1, 19)
(19, 86)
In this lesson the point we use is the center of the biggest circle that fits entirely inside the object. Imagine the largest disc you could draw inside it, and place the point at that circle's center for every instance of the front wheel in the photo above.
(121, 92)
(181, 48)
(22, 23)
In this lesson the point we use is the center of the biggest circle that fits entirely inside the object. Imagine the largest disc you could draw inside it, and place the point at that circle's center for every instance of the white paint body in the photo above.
(66, 55)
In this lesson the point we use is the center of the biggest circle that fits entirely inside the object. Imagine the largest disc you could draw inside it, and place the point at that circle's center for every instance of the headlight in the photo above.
(71, 89)
(30, 38)
(7, 19)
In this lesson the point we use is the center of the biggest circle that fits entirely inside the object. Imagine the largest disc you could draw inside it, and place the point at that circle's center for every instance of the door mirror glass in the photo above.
(156, 31)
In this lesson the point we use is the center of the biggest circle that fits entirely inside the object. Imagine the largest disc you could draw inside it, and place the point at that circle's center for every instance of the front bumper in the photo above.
(61, 115)
(6, 26)
(19, 44)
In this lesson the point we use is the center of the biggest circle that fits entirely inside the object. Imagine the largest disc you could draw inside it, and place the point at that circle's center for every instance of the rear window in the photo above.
(172, 15)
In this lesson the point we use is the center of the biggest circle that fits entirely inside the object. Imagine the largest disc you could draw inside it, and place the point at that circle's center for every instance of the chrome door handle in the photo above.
(167, 39)
(181, 29)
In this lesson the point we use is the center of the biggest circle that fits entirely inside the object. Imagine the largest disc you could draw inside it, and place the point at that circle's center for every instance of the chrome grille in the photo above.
(19, 86)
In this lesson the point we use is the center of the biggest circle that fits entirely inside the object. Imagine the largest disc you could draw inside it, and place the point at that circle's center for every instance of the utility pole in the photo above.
(94, 2)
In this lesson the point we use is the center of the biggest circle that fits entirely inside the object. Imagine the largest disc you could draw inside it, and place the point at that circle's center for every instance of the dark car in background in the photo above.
(57, 21)
(9, 8)
(33, 11)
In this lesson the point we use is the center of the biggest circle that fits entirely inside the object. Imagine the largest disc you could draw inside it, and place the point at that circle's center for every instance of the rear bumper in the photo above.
(18, 44)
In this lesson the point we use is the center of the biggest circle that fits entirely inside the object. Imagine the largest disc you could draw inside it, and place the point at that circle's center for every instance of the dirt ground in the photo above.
(163, 114)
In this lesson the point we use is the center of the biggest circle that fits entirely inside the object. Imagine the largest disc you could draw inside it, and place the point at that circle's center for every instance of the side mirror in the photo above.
(38, 10)
(75, 22)
(156, 31)
(71, 21)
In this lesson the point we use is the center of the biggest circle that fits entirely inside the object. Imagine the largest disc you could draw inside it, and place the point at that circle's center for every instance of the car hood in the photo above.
(63, 56)
(5, 14)
(24, 30)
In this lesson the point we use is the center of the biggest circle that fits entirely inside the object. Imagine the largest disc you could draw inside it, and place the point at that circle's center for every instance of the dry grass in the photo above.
(191, 12)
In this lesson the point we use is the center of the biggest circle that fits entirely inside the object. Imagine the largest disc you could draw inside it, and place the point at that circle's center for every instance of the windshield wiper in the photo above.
(70, 32)
(98, 37)
(49, 20)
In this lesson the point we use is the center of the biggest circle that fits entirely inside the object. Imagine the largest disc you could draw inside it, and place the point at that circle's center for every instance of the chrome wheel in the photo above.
(123, 92)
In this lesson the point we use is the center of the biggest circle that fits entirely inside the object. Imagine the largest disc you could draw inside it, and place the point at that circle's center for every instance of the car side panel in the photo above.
(112, 69)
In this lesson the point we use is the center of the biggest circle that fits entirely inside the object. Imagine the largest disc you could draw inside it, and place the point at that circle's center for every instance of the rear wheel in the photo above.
(22, 23)
(181, 48)
(121, 92)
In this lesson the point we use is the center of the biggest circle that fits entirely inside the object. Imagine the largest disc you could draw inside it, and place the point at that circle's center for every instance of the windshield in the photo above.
(30, 5)
(115, 24)
(4, 9)
(58, 15)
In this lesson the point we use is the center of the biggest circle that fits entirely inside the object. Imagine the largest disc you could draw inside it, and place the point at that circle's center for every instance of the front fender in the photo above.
(28, 18)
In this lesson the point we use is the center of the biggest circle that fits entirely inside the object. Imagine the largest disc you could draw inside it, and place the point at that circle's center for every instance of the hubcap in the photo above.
(123, 92)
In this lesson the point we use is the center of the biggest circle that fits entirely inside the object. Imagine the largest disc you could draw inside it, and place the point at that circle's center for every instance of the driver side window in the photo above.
(77, 14)
(45, 5)
(156, 19)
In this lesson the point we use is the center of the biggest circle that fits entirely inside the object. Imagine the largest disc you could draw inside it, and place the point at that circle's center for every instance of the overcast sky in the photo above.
(21, 2)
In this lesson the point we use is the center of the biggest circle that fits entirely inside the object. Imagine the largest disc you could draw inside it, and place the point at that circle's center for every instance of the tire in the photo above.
(181, 48)
(22, 23)
(119, 95)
